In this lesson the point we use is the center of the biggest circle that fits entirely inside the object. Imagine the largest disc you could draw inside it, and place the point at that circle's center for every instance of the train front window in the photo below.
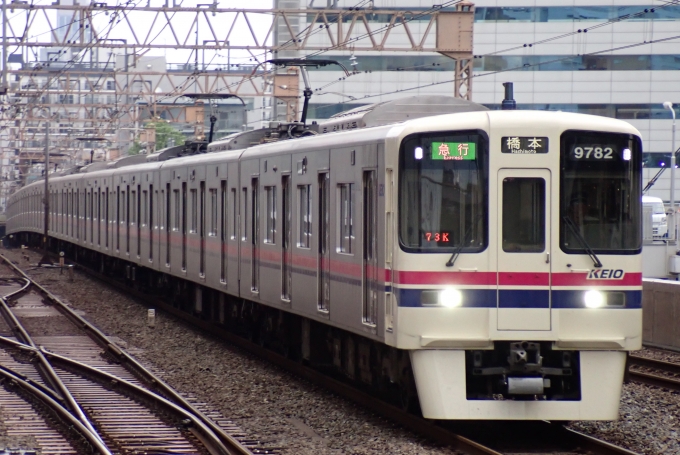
(443, 186)
(600, 192)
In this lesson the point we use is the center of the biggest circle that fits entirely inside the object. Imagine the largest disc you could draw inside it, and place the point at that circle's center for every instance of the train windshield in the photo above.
(443, 192)
(600, 204)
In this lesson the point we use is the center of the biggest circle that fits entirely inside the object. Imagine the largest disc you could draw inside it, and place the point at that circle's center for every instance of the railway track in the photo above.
(654, 372)
(464, 437)
(72, 390)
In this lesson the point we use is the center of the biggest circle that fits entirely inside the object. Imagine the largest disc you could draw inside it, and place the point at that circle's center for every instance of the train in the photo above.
(470, 263)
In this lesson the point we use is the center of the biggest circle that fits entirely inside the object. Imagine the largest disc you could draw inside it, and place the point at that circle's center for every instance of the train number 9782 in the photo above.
(594, 152)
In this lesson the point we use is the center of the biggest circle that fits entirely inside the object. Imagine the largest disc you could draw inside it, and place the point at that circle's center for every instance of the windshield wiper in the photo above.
(466, 239)
(574, 229)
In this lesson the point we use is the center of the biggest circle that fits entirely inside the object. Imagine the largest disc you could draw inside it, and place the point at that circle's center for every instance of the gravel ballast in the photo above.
(283, 411)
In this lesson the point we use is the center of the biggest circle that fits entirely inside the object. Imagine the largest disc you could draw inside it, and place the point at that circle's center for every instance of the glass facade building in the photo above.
(618, 58)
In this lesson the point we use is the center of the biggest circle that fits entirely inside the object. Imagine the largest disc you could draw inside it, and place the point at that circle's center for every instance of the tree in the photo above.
(165, 133)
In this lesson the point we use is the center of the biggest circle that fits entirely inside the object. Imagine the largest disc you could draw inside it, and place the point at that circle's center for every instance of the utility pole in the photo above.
(46, 259)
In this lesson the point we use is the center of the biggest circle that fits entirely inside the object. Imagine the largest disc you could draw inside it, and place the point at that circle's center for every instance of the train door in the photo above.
(524, 249)
(370, 249)
(324, 245)
(286, 238)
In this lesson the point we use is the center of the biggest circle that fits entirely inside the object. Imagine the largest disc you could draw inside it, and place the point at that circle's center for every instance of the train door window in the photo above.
(370, 250)
(194, 211)
(127, 220)
(118, 218)
(304, 216)
(63, 211)
(223, 232)
(346, 218)
(86, 214)
(92, 216)
(523, 215)
(69, 207)
(254, 237)
(145, 208)
(201, 231)
(177, 212)
(72, 212)
(286, 239)
(99, 218)
(212, 232)
(133, 208)
(244, 218)
(150, 222)
(324, 275)
(138, 215)
(184, 226)
(168, 212)
(234, 215)
(106, 223)
(270, 229)
(77, 215)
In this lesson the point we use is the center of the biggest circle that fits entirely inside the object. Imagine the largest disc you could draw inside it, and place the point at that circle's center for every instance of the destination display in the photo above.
(521, 145)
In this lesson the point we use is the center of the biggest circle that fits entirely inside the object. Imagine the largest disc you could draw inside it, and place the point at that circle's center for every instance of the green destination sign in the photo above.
(454, 151)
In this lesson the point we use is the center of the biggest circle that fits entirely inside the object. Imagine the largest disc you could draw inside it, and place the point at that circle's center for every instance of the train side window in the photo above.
(304, 216)
(346, 218)
(523, 215)
(270, 233)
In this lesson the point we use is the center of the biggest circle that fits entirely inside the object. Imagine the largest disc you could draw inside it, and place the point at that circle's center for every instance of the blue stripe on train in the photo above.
(518, 298)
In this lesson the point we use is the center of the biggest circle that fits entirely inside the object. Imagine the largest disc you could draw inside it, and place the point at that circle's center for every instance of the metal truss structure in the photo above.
(66, 77)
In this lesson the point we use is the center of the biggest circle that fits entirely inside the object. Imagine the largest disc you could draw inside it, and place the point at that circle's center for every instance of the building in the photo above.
(602, 57)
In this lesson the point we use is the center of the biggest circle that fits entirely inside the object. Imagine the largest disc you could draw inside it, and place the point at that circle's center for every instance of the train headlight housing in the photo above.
(450, 298)
(594, 299)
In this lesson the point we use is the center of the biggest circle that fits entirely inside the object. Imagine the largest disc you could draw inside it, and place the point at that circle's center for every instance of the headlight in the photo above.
(593, 299)
(450, 298)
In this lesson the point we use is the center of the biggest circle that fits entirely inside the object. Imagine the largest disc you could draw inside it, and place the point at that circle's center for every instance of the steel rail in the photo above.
(412, 422)
(229, 443)
(45, 367)
(55, 406)
(594, 445)
(652, 379)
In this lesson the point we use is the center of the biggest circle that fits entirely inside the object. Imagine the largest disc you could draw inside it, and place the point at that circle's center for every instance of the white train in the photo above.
(484, 262)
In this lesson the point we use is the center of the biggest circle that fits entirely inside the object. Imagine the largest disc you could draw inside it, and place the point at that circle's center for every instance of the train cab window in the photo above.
(304, 216)
(346, 218)
(443, 192)
(523, 215)
(600, 187)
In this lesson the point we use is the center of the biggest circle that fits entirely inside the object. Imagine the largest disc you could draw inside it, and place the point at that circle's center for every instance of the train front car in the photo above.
(518, 273)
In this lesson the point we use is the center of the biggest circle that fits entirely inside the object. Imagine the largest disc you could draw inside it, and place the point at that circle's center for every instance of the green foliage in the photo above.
(164, 133)
(135, 148)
